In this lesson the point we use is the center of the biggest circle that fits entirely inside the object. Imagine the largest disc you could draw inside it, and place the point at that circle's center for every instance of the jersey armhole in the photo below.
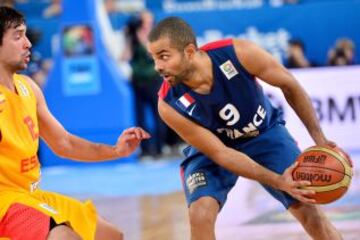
(164, 89)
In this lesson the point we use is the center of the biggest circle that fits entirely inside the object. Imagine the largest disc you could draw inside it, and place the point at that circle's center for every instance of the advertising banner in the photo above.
(335, 94)
(318, 24)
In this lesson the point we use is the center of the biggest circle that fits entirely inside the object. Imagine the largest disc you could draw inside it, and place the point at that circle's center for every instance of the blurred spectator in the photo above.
(296, 55)
(53, 10)
(278, 3)
(146, 83)
(145, 80)
(291, 1)
(38, 67)
(110, 6)
(343, 53)
(7, 3)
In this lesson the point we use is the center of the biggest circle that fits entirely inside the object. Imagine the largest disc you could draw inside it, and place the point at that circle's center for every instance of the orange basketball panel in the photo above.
(320, 159)
(330, 196)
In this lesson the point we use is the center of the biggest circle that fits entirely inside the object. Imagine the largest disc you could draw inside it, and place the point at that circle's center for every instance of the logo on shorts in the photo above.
(34, 186)
(196, 180)
(48, 208)
(228, 69)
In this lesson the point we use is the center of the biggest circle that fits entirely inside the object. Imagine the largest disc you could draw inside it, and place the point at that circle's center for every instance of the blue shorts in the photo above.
(275, 150)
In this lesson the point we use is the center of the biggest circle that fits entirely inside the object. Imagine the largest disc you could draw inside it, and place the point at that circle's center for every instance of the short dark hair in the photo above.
(297, 42)
(176, 29)
(9, 18)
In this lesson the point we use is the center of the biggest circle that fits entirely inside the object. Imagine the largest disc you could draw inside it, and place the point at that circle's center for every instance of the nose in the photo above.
(27, 44)
(158, 67)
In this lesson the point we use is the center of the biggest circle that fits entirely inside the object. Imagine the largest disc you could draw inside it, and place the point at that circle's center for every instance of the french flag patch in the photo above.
(185, 101)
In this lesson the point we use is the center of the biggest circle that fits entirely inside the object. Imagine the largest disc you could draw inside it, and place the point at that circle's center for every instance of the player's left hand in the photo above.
(129, 140)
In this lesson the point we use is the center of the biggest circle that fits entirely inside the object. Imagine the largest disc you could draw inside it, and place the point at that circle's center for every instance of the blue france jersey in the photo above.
(236, 108)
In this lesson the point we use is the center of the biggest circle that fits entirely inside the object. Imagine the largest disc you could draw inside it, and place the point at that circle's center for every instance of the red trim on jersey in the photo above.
(217, 44)
(164, 89)
(24, 222)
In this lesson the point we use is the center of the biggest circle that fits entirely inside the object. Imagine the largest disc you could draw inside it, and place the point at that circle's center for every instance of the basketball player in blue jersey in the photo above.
(210, 97)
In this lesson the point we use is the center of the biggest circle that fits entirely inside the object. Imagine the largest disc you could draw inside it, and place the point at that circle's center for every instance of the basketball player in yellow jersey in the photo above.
(27, 212)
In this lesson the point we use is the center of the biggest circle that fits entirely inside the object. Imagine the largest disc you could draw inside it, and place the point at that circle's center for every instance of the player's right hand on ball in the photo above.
(296, 189)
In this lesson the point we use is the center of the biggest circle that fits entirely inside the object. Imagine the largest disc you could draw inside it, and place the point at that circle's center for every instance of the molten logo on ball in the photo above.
(313, 177)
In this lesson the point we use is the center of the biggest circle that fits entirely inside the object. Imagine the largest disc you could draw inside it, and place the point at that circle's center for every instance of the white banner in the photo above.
(335, 93)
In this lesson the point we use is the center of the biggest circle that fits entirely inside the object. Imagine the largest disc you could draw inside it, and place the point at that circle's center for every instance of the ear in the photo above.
(190, 50)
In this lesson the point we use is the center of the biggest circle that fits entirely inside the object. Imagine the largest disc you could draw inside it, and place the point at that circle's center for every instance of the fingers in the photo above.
(136, 133)
(331, 144)
(348, 158)
(302, 193)
(301, 184)
(298, 189)
(346, 155)
(304, 199)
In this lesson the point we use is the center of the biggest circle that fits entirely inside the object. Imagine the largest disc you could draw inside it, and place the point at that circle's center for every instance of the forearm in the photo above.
(301, 103)
(242, 165)
(79, 149)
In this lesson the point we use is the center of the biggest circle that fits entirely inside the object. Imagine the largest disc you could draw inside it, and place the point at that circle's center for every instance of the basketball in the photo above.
(328, 169)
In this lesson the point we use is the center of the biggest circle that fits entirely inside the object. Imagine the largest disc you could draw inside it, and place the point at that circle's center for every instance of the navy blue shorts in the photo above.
(275, 150)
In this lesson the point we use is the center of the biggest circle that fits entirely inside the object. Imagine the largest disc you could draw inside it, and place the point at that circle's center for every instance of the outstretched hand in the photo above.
(129, 140)
(296, 188)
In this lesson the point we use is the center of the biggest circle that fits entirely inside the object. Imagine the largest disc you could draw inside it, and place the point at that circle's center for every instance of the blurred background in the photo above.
(89, 58)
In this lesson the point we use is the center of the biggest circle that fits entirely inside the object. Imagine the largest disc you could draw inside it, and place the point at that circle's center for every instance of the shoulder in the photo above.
(244, 48)
(34, 87)
(217, 44)
(252, 57)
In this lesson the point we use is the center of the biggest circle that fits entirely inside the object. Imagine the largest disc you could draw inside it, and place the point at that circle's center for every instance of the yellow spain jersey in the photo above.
(19, 138)
(20, 168)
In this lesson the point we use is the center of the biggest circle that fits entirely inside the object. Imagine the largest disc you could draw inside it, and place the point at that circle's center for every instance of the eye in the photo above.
(164, 57)
(19, 34)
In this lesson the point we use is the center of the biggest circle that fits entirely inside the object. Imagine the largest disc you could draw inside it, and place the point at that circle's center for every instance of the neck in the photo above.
(201, 78)
(6, 78)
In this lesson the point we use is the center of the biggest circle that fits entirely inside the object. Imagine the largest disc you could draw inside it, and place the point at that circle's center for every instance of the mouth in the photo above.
(27, 57)
(166, 77)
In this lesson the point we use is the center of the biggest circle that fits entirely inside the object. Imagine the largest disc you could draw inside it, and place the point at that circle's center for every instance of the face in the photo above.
(15, 49)
(173, 65)
(295, 51)
(147, 21)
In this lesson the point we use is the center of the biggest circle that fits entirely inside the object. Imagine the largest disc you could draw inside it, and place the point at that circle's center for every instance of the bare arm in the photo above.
(70, 146)
(232, 160)
(261, 64)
